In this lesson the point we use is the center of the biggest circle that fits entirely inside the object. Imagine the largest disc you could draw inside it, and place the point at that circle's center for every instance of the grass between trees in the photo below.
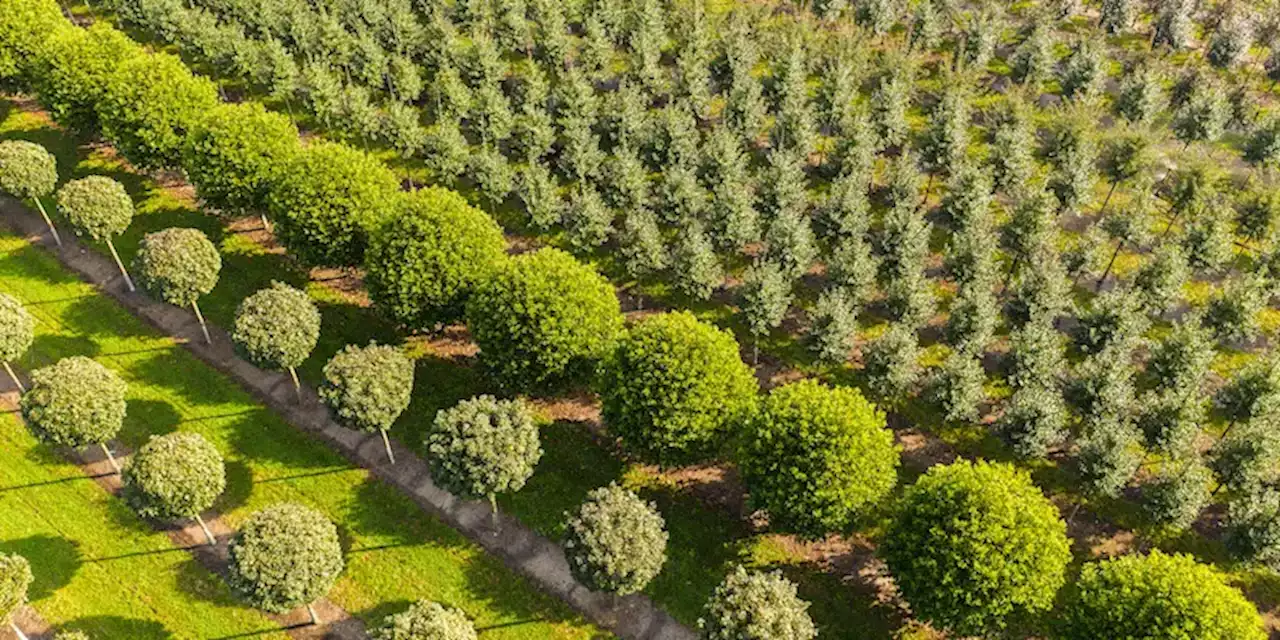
(705, 543)
(82, 544)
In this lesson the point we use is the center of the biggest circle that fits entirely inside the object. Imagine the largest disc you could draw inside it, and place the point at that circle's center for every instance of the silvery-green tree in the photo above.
(15, 580)
(759, 606)
(368, 388)
(482, 447)
(17, 332)
(177, 475)
(179, 265)
(277, 328)
(29, 172)
(75, 402)
(285, 556)
(616, 541)
(426, 620)
(100, 208)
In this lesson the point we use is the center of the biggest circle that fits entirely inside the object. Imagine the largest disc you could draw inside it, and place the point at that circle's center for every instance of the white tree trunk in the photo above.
(21, 635)
(128, 282)
(311, 609)
(110, 458)
(297, 387)
(386, 442)
(56, 239)
(203, 328)
(207, 533)
(14, 376)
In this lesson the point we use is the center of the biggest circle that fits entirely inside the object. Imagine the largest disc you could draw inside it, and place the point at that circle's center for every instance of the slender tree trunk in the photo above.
(1107, 200)
(1172, 219)
(755, 350)
(208, 535)
(311, 609)
(1110, 263)
(128, 282)
(203, 327)
(297, 386)
(44, 214)
(928, 186)
(266, 224)
(1074, 511)
(21, 635)
(14, 377)
(110, 458)
(386, 442)
(493, 509)
(1013, 269)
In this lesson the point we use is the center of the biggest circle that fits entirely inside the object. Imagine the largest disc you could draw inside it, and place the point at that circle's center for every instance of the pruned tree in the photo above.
(833, 325)
(285, 556)
(766, 298)
(177, 475)
(29, 172)
(1101, 386)
(1159, 280)
(17, 332)
(1244, 460)
(1117, 16)
(1108, 456)
(15, 580)
(149, 104)
(277, 328)
(1082, 72)
(426, 620)
(1033, 60)
(696, 269)
(178, 265)
(1253, 528)
(789, 244)
(1174, 25)
(1142, 95)
(482, 447)
(100, 208)
(756, 605)
(231, 155)
(616, 542)
(1175, 497)
(891, 363)
(1013, 148)
(1034, 421)
(1169, 421)
(75, 402)
(1233, 310)
(368, 388)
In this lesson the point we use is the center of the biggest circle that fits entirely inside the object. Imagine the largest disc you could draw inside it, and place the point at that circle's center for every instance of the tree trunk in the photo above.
(203, 328)
(311, 609)
(1107, 199)
(1172, 219)
(297, 387)
(128, 282)
(1013, 269)
(14, 376)
(56, 239)
(110, 458)
(928, 186)
(1110, 263)
(21, 635)
(266, 224)
(386, 442)
(207, 533)
(493, 509)
(755, 350)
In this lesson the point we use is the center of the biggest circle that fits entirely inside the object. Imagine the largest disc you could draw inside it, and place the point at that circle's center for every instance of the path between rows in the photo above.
(632, 617)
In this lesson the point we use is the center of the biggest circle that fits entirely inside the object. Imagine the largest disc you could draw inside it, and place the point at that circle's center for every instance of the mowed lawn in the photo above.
(90, 552)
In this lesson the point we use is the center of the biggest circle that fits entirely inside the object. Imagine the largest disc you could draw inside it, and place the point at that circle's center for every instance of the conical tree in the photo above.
(178, 265)
(178, 475)
(276, 328)
(17, 332)
(29, 172)
(75, 402)
(100, 208)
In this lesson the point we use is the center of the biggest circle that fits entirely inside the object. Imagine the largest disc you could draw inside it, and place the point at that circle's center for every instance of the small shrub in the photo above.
(232, 155)
(17, 328)
(426, 620)
(277, 327)
(178, 475)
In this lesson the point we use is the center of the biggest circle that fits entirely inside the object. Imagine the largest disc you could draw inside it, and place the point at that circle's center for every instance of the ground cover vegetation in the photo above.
(842, 188)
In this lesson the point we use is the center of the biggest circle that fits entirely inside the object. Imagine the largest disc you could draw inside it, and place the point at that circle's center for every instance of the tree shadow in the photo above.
(437, 384)
(121, 627)
(239, 487)
(103, 316)
(31, 263)
(54, 562)
(572, 464)
(513, 597)
(374, 616)
(49, 348)
(147, 418)
(381, 517)
(263, 436)
(199, 582)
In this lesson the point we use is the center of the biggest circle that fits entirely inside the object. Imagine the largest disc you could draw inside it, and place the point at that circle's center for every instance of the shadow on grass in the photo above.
(121, 627)
(54, 562)
(572, 464)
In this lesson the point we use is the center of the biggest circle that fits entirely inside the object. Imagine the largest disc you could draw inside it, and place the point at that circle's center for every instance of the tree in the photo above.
(957, 386)
(588, 220)
(1125, 158)
(492, 174)
(75, 402)
(368, 387)
(815, 458)
(1174, 25)
(1117, 15)
(616, 542)
(276, 328)
(756, 605)
(1169, 421)
(879, 16)
(926, 26)
(178, 265)
(29, 172)
(1029, 229)
(15, 580)
(852, 266)
(980, 39)
(17, 332)
(766, 298)
(70, 76)
(696, 268)
(1244, 460)
(1253, 391)
(327, 199)
(1101, 385)
(789, 243)
(1035, 355)
(100, 208)
(1156, 596)
(794, 128)
(972, 319)
(426, 620)
(946, 141)
(891, 363)
(1230, 41)
(1033, 60)
(1253, 528)
(482, 447)
(1142, 95)
(1177, 495)
(889, 104)
(425, 261)
(905, 245)
(674, 387)
(1203, 117)
(232, 155)
(542, 320)
(177, 475)
(833, 325)
(1034, 420)
(976, 547)
(1180, 360)
(1233, 311)
(1082, 72)
(283, 557)
(1013, 148)
(1158, 282)
(1073, 153)
(1113, 319)
(1257, 209)
(150, 104)
(1109, 453)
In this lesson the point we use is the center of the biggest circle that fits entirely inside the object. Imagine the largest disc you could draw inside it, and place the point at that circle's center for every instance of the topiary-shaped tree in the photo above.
(277, 328)
(816, 457)
(674, 386)
(1156, 596)
(543, 320)
(17, 332)
(327, 199)
(75, 402)
(976, 548)
(150, 104)
(100, 208)
(756, 606)
(368, 387)
(233, 153)
(423, 264)
(72, 635)
(29, 172)
(285, 556)
(616, 542)
(482, 447)
(178, 265)
(15, 579)
(177, 475)
(426, 620)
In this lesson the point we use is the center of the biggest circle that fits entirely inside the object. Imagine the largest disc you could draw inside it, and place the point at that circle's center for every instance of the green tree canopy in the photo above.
(368, 387)
(75, 402)
(97, 206)
(178, 475)
(17, 328)
(277, 327)
(27, 170)
(426, 620)
(234, 152)
(177, 265)
(150, 104)
(15, 579)
(616, 542)
(756, 606)
(285, 556)
(483, 446)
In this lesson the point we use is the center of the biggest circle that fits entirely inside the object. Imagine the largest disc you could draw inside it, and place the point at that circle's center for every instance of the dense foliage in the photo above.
(177, 265)
(368, 387)
(27, 170)
(150, 104)
(233, 154)
(17, 328)
(285, 556)
(756, 606)
(75, 402)
(616, 542)
(483, 446)
(426, 620)
(97, 206)
(15, 579)
(177, 475)
(276, 327)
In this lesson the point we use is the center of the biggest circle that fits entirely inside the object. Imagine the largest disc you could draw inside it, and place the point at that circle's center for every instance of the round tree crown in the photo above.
(616, 542)
(483, 446)
(756, 606)
(673, 386)
(75, 402)
(17, 328)
(232, 154)
(426, 620)
(27, 170)
(177, 265)
(15, 579)
(285, 556)
(276, 327)
(368, 387)
(177, 475)
(97, 206)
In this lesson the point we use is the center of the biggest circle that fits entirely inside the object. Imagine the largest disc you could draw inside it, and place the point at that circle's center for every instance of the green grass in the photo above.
(706, 542)
(395, 552)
